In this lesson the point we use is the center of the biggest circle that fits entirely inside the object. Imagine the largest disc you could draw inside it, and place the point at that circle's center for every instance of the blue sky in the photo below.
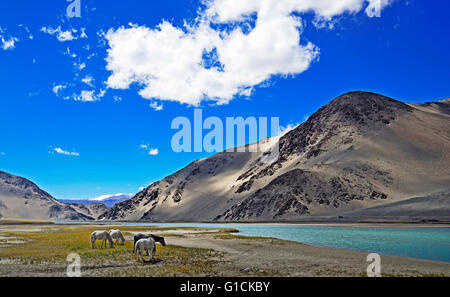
(71, 122)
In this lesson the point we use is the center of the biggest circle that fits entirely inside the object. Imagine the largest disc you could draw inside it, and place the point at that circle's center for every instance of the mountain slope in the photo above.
(93, 210)
(22, 199)
(360, 150)
(432, 206)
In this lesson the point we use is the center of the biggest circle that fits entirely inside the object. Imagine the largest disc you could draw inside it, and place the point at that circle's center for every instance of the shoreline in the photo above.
(234, 229)
(327, 224)
(204, 252)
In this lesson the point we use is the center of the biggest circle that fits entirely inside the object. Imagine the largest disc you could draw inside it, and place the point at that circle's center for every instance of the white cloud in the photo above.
(150, 150)
(60, 151)
(80, 66)
(156, 106)
(200, 62)
(89, 96)
(89, 80)
(153, 152)
(69, 53)
(9, 44)
(286, 129)
(60, 34)
(57, 88)
(141, 188)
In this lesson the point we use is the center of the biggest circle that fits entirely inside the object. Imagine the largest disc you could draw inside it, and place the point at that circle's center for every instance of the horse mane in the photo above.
(157, 238)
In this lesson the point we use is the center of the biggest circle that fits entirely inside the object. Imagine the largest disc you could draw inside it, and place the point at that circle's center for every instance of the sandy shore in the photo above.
(232, 255)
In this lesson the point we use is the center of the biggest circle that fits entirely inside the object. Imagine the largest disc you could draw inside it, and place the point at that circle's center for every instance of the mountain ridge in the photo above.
(20, 198)
(354, 152)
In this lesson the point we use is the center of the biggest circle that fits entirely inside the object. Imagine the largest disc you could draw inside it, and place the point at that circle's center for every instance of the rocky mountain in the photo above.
(107, 200)
(359, 151)
(22, 199)
(93, 210)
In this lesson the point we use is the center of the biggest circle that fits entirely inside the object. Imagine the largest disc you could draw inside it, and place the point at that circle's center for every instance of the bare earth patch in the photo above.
(189, 252)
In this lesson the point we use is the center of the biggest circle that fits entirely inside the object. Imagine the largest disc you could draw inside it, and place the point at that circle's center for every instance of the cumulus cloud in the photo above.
(232, 47)
(60, 151)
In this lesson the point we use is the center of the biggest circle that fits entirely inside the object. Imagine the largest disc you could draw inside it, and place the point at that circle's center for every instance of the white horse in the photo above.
(116, 235)
(103, 235)
(146, 244)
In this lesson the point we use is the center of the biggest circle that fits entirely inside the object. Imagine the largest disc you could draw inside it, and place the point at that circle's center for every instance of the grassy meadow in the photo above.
(50, 247)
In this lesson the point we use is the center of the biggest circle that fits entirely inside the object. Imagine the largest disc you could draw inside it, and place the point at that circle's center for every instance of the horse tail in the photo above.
(134, 243)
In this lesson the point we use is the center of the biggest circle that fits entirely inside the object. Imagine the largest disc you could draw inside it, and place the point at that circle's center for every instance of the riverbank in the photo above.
(41, 250)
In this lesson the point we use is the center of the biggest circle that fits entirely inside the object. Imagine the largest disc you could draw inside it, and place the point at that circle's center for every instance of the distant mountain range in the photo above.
(360, 151)
(108, 200)
(22, 199)
(361, 156)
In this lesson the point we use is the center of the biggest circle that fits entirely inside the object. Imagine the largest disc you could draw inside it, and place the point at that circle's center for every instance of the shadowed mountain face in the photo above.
(93, 210)
(22, 199)
(361, 150)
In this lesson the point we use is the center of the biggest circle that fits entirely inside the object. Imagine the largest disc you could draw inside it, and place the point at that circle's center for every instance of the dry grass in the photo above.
(51, 247)
(24, 222)
(233, 236)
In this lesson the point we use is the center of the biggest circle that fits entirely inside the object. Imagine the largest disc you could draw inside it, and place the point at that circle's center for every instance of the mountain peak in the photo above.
(22, 199)
(349, 114)
(359, 106)
(21, 183)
